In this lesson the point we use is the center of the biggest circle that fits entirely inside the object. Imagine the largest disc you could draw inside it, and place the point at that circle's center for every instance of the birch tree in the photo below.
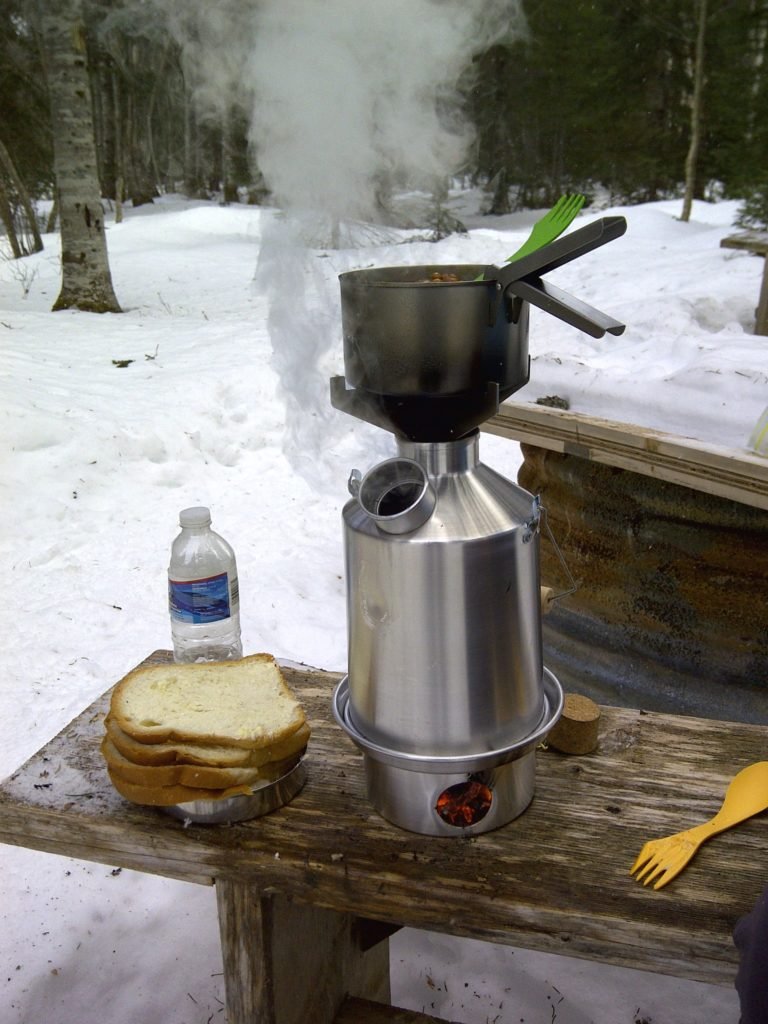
(692, 157)
(86, 278)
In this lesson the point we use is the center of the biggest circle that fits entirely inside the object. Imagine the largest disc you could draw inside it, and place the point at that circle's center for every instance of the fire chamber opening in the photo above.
(464, 804)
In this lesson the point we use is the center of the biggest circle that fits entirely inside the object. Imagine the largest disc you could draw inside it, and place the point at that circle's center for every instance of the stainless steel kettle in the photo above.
(444, 617)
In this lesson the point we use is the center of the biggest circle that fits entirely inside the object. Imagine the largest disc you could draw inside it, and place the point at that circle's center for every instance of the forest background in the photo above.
(628, 102)
(632, 101)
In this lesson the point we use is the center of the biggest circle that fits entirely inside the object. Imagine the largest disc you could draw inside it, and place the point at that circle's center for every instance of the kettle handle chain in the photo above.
(573, 585)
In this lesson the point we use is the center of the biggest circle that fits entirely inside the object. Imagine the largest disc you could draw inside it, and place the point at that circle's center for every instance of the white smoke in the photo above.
(346, 97)
(216, 41)
(348, 92)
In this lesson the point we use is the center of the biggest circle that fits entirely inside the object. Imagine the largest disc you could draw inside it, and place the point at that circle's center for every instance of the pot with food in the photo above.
(432, 330)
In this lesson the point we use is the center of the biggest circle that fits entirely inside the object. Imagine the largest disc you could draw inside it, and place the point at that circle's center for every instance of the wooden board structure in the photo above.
(737, 474)
(757, 243)
(556, 879)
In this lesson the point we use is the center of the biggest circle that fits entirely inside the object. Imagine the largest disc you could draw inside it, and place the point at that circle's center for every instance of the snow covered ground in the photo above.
(230, 332)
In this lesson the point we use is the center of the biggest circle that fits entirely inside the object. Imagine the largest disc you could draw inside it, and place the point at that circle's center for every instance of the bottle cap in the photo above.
(197, 516)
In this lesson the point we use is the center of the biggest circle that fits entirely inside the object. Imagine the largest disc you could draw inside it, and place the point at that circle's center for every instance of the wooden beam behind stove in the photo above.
(733, 473)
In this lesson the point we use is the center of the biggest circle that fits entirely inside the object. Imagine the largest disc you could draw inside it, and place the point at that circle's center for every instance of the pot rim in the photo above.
(553, 699)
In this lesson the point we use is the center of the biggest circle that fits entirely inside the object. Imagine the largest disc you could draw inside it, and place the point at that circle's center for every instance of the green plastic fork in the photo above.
(551, 225)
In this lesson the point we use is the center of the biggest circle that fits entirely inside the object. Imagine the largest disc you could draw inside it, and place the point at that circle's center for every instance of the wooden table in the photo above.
(756, 242)
(732, 473)
(308, 894)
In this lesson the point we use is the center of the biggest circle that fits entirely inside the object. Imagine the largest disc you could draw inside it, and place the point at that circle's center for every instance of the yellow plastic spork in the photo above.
(663, 859)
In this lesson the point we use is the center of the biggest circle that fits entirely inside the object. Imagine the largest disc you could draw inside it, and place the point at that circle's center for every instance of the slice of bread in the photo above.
(244, 703)
(198, 776)
(168, 796)
(214, 756)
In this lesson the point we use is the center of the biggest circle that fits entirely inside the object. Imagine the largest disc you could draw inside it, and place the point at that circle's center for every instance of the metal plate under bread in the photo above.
(263, 800)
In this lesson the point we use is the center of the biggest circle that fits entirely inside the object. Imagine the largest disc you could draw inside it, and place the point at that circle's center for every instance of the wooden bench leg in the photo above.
(290, 963)
(761, 324)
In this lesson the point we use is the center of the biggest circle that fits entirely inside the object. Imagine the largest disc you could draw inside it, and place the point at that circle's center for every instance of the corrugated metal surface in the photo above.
(672, 609)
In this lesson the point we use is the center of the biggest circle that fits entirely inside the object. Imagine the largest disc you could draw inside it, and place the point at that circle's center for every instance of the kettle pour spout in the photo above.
(397, 495)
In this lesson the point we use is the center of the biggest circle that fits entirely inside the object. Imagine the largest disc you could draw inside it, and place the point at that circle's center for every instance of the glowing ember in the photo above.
(465, 803)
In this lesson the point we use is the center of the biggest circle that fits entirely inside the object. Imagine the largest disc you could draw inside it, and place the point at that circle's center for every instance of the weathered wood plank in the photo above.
(715, 469)
(290, 963)
(753, 241)
(245, 930)
(556, 879)
(362, 1011)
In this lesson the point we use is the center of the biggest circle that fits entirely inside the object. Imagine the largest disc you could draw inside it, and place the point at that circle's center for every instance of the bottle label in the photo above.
(204, 600)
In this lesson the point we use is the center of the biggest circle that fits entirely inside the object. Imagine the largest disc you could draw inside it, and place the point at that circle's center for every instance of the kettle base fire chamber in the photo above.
(450, 796)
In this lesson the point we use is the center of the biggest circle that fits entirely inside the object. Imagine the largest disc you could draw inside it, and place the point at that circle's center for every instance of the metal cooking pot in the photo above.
(406, 335)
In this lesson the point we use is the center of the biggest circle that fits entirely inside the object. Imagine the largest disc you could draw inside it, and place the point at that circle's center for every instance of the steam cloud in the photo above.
(344, 95)
(347, 92)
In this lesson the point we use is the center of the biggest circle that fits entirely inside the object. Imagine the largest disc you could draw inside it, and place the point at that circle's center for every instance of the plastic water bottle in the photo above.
(203, 593)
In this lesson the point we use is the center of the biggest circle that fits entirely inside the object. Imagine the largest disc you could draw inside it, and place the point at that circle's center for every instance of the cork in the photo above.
(577, 730)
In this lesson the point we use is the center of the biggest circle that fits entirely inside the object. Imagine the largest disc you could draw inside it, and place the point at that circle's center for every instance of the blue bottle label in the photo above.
(200, 600)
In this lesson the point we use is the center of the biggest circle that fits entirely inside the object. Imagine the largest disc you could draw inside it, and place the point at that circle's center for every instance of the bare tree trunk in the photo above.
(86, 279)
(500, 198)
(6, 216)
(53, 216)
(691, 159)
(101, 126)
(759, 48)
(149, 117)
(228, 186)
(23, 197)
(117, 113)
(188, 143)
(193, 174)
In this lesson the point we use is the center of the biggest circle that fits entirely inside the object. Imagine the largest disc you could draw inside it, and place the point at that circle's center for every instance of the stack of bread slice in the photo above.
(178, 733)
